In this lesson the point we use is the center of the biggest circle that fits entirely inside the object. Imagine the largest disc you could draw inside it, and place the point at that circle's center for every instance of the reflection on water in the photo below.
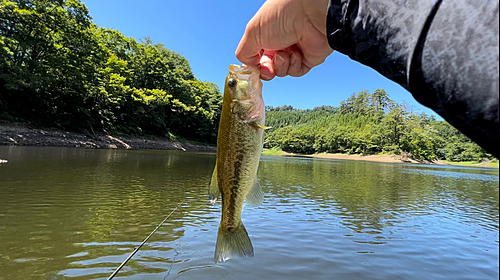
(76, 213)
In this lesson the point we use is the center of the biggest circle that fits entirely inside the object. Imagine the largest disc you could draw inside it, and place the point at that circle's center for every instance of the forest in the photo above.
(368, 123)
(59, 69)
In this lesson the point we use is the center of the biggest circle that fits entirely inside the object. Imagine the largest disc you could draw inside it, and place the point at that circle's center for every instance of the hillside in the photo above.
(368, 124)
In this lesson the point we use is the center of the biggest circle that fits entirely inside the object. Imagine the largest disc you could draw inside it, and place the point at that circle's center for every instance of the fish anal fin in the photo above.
(256, 195)
(232, 242)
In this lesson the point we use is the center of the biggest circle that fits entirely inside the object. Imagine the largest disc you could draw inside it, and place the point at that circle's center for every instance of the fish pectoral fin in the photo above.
(258, 126)
(232, 242)
(213, 189)
(264, 127)
(256, 195)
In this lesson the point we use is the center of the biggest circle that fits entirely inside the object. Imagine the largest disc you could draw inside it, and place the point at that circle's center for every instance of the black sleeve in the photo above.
(446, 53)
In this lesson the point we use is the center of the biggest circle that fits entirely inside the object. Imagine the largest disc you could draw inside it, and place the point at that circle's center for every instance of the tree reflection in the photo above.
(370, 196)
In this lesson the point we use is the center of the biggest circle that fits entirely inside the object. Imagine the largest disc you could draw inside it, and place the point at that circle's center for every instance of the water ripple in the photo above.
(67, 213)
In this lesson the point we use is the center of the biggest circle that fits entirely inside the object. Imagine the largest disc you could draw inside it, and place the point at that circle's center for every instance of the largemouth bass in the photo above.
(239, 145)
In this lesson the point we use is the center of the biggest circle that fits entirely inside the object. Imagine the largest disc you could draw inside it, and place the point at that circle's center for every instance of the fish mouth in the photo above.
(243, 69)
(245, 72)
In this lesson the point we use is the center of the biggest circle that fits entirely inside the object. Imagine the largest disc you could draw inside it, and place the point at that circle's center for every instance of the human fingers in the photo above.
(295, 65)
(281, 62)
(271, 28)
(249, 48)
(267, 71)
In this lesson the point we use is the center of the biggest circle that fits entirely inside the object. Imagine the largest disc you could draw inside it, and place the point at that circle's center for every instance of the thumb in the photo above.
(249, 48)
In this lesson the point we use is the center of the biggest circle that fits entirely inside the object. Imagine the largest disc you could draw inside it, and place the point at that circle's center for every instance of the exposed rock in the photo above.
(21, 135)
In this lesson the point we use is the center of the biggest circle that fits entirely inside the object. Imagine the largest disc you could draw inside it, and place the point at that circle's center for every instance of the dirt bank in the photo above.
(22, 135)
(378, 158)
(389, 159)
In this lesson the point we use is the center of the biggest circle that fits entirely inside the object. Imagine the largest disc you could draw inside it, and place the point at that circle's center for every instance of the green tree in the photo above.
(59, 69)
(368, 123)
(48, 60)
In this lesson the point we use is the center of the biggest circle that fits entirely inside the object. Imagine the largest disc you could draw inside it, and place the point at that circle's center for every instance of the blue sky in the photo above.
(207, 34)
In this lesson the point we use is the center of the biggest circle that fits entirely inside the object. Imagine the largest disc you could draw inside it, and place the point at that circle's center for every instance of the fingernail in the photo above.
(279, 61)
(293, 58)
(266, 71)
(264, 76)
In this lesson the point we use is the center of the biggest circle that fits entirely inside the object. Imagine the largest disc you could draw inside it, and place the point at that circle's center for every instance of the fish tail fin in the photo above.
(232, 242)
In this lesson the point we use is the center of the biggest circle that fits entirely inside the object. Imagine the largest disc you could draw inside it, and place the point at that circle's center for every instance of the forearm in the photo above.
(445, 53)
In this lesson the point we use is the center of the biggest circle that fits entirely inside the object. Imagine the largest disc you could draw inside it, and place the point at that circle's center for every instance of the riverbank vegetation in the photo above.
(368, 124)
(58, 69)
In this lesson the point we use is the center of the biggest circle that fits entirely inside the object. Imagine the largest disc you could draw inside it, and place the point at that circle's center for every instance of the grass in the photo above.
(272, 152)
(493, 164)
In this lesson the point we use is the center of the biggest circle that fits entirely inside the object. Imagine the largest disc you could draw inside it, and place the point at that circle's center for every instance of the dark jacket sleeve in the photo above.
(446, 53)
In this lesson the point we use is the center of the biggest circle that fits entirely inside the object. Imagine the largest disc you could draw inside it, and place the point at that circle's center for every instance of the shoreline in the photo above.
(13, 134)
(380, 158)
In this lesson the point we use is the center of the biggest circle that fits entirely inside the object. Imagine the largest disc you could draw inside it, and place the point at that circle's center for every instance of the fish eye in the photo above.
(231, 83)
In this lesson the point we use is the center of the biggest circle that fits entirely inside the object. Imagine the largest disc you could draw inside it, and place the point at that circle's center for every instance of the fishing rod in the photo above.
(143, 242)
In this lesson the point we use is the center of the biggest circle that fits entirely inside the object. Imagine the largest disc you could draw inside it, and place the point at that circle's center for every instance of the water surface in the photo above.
(78, 213)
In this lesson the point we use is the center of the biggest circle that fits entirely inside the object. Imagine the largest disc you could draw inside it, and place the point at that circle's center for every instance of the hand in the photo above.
(287, 37)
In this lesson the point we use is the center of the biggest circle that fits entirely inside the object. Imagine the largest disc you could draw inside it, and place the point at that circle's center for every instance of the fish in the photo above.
(239, 146)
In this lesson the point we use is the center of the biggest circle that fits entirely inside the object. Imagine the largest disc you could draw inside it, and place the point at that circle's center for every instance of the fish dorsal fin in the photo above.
(213, 189)
(256, 196)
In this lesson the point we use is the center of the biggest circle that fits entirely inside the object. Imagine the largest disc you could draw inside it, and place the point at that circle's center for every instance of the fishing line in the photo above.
(143, 242)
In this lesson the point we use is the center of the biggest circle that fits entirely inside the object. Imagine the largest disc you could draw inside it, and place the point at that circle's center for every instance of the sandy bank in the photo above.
(378, 158)
(388, 159)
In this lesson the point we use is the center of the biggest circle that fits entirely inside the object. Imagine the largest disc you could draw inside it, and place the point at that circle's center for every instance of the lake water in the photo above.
(78, 213)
